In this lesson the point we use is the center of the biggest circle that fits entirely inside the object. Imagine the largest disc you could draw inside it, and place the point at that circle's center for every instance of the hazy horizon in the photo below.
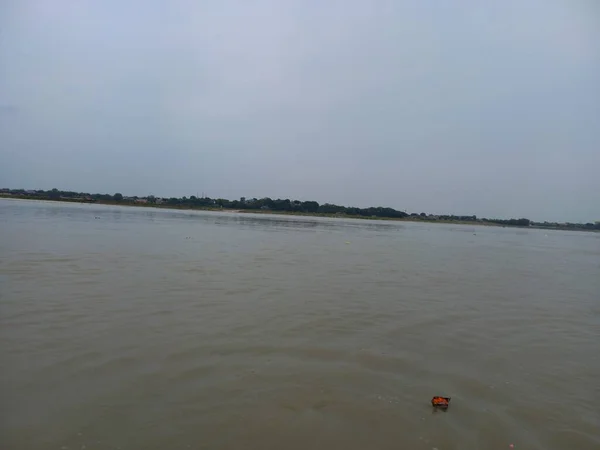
(490, 110)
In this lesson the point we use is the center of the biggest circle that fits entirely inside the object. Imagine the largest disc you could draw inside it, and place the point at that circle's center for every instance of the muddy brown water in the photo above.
(130, 328)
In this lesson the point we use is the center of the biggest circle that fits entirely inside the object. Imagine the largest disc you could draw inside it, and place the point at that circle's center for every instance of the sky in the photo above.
(448, 107)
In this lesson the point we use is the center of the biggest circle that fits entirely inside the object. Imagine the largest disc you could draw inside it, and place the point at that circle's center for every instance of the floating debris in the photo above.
(440, 402)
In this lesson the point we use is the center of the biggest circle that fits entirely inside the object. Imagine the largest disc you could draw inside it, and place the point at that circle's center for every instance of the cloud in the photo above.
(9, 109)
(488, 109)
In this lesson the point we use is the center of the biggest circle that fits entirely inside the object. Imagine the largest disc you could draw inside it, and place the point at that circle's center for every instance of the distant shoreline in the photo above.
(410, 219)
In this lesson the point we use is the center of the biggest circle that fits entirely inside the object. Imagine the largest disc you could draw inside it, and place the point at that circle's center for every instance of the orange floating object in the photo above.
(440, 402)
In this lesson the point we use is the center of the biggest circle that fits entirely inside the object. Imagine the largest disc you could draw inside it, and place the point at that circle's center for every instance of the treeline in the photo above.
(280, 205)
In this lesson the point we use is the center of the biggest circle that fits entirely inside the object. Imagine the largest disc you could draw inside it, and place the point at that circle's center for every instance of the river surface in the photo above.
(135, 328)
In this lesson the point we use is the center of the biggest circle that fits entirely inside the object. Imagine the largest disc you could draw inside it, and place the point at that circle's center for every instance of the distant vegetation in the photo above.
(285, 206)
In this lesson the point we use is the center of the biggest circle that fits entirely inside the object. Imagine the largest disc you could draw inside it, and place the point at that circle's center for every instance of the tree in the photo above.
(118, 197)
(310, 206)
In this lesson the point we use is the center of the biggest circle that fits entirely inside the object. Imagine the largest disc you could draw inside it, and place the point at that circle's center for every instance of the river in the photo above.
(137, 328)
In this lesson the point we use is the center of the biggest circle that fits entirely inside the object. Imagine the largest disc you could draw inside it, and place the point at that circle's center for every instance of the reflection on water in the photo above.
(137, 328)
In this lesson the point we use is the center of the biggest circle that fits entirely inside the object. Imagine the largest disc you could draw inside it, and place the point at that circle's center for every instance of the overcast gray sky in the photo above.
(468, 107)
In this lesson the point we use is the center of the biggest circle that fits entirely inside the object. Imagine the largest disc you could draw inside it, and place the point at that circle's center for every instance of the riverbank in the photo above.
(482, 223)
(413, 219)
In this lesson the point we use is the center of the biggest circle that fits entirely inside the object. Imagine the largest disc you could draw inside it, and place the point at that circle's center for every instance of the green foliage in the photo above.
(510, 222)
